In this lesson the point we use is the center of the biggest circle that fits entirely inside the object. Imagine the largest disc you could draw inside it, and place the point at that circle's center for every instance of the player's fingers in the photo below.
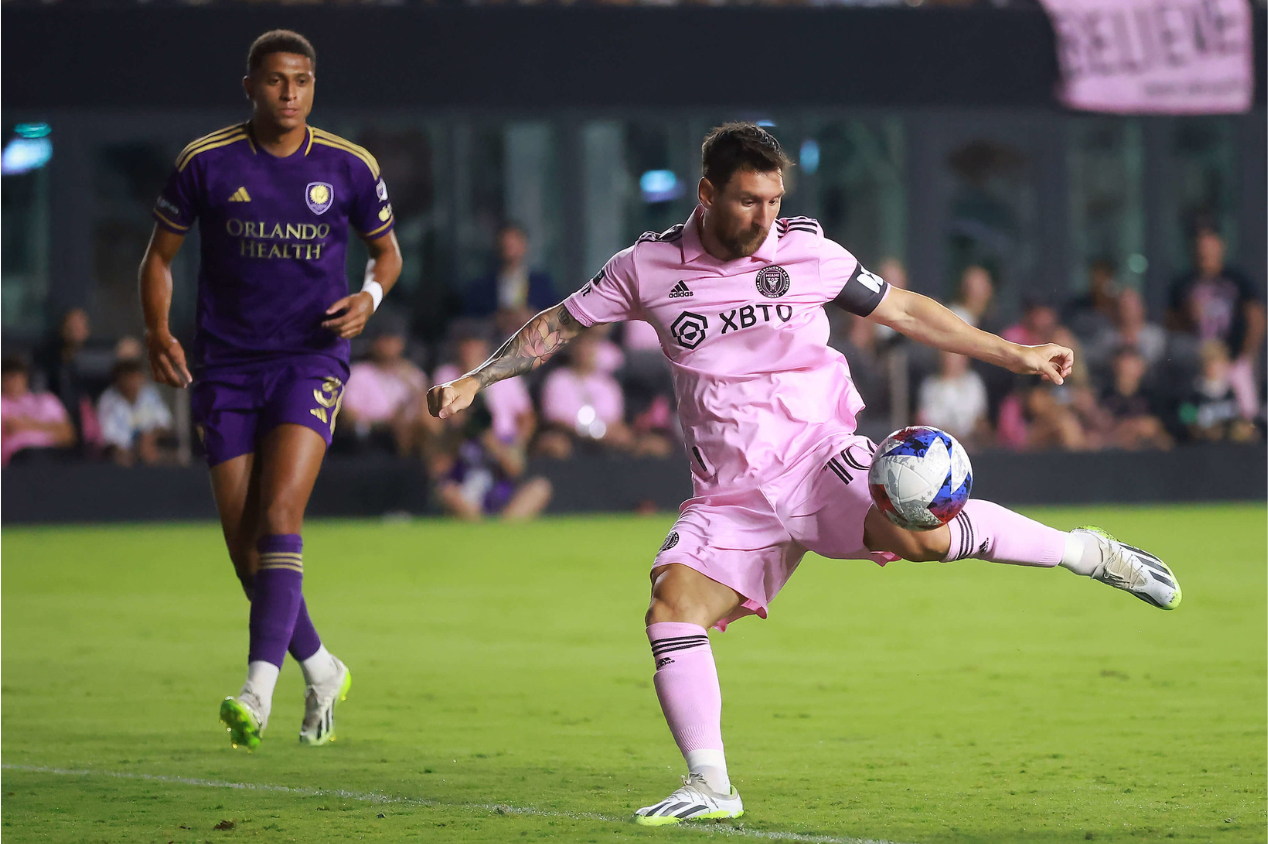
(180, 369)
(339, 306)
(166, 372)
(1047, 370)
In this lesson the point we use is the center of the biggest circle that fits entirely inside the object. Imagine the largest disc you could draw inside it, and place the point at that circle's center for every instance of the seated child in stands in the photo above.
(1135, 423)
(481, 475)
(134, 419)
(1211, 412)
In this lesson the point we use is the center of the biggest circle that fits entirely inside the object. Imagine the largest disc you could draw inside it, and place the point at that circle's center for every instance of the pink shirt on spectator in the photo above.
(566, 392)
(377, 395)
(507, 401)
(41, 407)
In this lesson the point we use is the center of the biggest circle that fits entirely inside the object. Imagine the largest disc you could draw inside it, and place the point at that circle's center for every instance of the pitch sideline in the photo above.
(372, 797)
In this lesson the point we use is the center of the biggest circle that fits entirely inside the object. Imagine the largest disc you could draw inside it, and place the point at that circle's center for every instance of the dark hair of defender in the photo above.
(12, 364)
(739, 146)
(279, 41)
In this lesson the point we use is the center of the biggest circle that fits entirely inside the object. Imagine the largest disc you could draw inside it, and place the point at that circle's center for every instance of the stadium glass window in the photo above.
(24, 219)
(849, 175)
(1202, 171)
(1107, 210)
(505, 172)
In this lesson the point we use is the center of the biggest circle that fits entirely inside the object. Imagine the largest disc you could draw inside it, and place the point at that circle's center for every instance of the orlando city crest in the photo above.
(773, 282)
(319, 196)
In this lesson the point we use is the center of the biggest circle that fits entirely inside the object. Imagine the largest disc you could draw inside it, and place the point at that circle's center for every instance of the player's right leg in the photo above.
(235, 486)
(684, 605)
(986, 531)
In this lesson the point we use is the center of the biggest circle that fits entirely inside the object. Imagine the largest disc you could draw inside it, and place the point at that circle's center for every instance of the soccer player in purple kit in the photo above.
(737, 297)
(274, 199)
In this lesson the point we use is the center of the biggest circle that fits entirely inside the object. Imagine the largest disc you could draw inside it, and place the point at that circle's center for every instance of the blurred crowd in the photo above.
(1138, 383)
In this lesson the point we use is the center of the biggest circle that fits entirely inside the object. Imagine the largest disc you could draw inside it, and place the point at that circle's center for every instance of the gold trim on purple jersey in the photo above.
(221, 140)
(321, 136)
(170, 223)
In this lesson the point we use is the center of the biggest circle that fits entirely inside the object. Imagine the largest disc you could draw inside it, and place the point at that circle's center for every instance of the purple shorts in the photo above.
(233, 407)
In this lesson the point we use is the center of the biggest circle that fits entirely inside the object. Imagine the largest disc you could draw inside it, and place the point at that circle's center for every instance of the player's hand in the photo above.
(444, 400)
(167, 359)
(1050, 361)
(357, 310)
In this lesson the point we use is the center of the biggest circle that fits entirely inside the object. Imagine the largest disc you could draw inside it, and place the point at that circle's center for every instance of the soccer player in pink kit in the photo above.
(768, 414)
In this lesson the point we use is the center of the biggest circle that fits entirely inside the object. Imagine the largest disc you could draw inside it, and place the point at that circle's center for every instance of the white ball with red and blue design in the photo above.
(920, 478)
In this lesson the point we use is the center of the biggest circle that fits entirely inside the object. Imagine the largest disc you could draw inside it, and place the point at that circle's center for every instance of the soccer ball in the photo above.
(920, 478)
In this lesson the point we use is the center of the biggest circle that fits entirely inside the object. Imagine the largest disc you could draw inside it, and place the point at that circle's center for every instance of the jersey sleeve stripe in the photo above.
(211, 136)
(182, 162)
(309, 148)
(168, 222)
(321, 136)
(390, 221)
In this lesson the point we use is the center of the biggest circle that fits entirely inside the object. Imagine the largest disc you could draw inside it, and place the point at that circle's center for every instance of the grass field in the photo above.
(502, 691)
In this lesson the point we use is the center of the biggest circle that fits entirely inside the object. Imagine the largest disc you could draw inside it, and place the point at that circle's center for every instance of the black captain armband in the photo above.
(862, 292)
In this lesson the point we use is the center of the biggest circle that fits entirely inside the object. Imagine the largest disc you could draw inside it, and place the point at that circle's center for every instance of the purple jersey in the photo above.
(274, 235)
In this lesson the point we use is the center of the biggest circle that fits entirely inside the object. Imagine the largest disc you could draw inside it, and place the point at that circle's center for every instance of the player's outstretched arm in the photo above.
(527, 349)
(925, 320)
(167, 358)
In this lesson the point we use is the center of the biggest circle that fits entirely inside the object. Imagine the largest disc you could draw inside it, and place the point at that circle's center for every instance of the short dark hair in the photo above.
(13, 364)
(125, 366)
(279, 41)
(739, 146)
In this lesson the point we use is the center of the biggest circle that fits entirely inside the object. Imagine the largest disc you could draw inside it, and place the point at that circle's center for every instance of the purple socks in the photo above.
(278, 598)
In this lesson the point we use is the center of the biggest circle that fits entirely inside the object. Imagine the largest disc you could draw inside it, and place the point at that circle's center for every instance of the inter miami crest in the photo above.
(773, 282)
(319, 196)
(670, 541)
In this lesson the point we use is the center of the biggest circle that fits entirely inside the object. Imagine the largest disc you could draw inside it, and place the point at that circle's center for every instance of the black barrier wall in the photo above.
(99, 493)
(546, 57)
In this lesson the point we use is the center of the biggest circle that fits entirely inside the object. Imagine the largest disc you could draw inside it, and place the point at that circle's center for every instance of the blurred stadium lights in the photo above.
(30, 150)
(809, 158)
(660, 186)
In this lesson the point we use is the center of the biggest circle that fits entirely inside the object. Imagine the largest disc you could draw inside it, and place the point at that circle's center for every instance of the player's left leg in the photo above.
(684, 605)
(986, 531)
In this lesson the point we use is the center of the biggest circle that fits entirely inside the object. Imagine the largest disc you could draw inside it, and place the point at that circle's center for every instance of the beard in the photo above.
(744, 243)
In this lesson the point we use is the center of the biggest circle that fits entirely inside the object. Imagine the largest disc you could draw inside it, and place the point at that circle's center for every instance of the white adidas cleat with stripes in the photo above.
(1134, 570)
(694, 801)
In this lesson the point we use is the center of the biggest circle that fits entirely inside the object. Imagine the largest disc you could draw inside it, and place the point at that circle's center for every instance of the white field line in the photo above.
(375, 797)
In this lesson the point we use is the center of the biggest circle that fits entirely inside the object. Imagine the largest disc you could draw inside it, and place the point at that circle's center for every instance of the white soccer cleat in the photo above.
(1134, 570)
(245, 717)
(694, 801)
(319, 706)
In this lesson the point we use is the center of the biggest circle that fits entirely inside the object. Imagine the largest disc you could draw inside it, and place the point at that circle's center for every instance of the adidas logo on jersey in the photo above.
(240, 195)
(680, 291)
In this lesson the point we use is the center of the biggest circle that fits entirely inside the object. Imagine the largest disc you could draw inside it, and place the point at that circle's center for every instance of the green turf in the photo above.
(507, 666)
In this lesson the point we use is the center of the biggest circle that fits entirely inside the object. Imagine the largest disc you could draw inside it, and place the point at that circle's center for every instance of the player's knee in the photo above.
(283, 517)
(922, 547)
(674, 601)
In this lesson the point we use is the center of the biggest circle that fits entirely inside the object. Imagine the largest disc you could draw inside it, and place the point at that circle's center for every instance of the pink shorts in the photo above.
(753, 539)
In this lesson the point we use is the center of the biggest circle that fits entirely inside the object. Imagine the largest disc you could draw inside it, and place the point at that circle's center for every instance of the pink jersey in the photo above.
(757, 384)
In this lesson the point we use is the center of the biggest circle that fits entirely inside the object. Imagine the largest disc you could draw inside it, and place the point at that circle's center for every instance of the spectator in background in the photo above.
(32, 423)
(508, 402)
(1131, 329)
(59, 361)
(480, 474)
(859, 339)
(1094, 313)
(133, 416)
(1216, 302)
(1131, 410)
(385, 402)
(582, 403)
(955, 401)
(1038, 417)
(513, 292)
(1210, 411)
(975, 296)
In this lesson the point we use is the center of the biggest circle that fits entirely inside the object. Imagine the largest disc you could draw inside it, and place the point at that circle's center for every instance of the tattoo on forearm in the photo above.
(530, 347)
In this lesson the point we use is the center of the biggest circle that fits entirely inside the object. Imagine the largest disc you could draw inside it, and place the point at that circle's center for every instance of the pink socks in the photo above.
(987, 531)
(687, 686)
